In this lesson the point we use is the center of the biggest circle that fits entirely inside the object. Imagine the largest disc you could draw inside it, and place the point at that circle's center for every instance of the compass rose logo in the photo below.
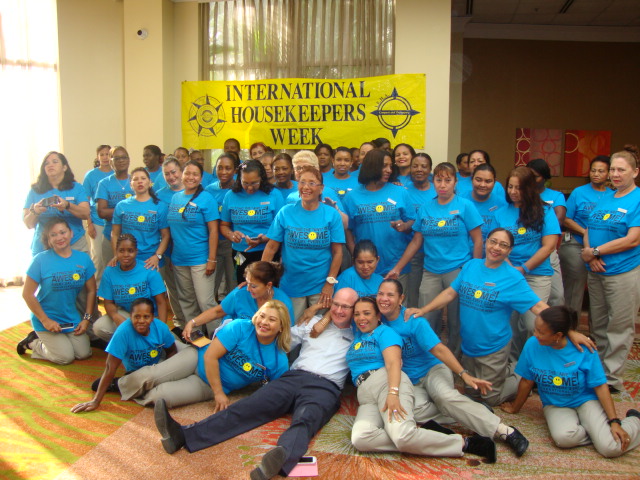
(206, 116)
(394, 112)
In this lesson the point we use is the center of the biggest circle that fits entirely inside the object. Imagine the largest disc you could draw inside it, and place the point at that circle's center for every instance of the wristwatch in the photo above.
(332, 280)
(86, 316)
(596, 252)
(159, 255)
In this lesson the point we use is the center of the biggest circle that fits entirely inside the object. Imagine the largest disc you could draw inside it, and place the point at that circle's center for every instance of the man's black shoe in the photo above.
(171, 431)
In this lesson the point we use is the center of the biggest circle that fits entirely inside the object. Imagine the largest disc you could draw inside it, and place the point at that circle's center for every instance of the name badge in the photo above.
(569, 364)
(454, 212)
(490, 284)
(391, 201)
(193, 204)
(265, 203)
(549, 202)
(68, 199)
(495, 207)
(622, 210)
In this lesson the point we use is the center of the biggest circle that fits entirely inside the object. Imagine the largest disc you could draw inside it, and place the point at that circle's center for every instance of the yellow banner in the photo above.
(299, 113)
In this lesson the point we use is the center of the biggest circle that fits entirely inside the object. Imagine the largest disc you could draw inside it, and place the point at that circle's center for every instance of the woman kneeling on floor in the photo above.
(573, 388)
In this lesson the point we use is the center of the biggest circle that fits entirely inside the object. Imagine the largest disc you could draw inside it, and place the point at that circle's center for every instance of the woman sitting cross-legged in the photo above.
(573, 389)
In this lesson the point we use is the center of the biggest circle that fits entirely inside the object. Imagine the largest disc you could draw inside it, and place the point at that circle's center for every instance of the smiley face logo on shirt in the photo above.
(181, 210)
(522, 231)
(557, 381)
(153, 353)
(127, 195)
(313, 235)
(132, 290)
(357, 346)
(379, 208)
(607, 216)
(141, 218)
(478, 293)
(441, 223)
(246, 367)
(251, 213)
(341, 192)
(76, 276)
(220, 208)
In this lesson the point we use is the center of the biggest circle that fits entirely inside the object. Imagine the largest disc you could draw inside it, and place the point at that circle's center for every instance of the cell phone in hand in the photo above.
(47, 202)
(67, 327)
(198, 339)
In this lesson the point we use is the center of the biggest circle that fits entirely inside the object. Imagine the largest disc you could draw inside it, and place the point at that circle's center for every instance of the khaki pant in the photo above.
(615, 300)
(522, 324)
(172, 292)
(574, 274)
(104, 327)
(61, 348)
(496, 369)
(373, 432)
(195, 289)
(586, 424)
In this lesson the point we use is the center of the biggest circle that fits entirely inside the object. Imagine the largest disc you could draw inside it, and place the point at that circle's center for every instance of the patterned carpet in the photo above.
(40, 438)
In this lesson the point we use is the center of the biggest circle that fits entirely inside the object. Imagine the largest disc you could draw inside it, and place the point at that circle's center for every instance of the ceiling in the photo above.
(601, 13)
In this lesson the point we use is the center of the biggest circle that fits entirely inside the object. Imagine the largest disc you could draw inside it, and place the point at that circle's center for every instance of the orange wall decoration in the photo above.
(580, 146)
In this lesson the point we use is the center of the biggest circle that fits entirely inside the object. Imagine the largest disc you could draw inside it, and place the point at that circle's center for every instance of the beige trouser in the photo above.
(574, 273)
(414, 280)
(302, 303)
(556, 296)
(174, 379)
(96, 252)
(104, 327)
(195, 289)
(496, 369)
(436, 389)
(572, 427)
(373, 432)
(172, 292)
(61, 348)
(522, 324)
(225, 269)
(615, 300)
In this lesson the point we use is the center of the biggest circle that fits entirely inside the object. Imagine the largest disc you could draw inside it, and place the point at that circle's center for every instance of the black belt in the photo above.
(362, 377)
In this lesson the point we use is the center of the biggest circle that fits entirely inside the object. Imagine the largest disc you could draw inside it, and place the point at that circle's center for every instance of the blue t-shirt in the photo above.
(188, 221)
(123, 287)
(157, 179)
(250, 214)
(76, 195)
(208, 179)
(565, 377)
(219, 194)
(611, 219)
(487, 298)
(581, 203)
(417, 341)
(306, 237)
(417, 198)
(445, 229)
(487, 211)
(527, 240)
(365, 353)
(137, 351)
(245, 358)
(340, 186)
(113, 191)
(240, 304)
(90, 184)
(143, 220)
(288, 191)
(165, 194)
(350, 278)
(60, 280)
(405, 180)
(370, 215)
(553, 198)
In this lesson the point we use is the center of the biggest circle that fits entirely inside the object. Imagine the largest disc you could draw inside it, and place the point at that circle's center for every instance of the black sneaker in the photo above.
(481, 446)
(113, 386)
(517, 441)
(98, 343)
(23, 344)
(171, 431)
(613, 390)
(271, 464)
(436, 427)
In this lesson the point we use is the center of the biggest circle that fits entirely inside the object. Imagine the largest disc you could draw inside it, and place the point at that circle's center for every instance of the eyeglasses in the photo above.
(341, 306)
(250, 184)
(309, 184)
(496, 243)
(120, 158)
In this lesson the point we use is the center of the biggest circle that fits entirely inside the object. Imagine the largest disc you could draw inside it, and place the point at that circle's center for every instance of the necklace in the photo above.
(121, 185)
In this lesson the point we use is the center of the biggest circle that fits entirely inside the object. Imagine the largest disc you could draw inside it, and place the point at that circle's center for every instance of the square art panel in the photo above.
(545, 143)
(580, 146)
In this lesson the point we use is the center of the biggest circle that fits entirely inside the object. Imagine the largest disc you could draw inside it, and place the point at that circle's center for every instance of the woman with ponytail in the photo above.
(193, 221)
